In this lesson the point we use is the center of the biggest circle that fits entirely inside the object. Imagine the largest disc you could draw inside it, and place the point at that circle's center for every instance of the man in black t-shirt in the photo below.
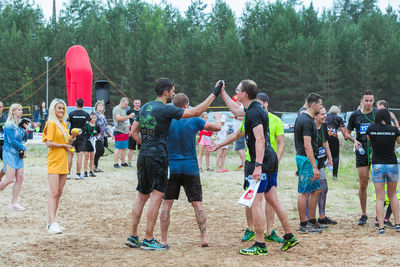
(150, 129)
(359, 121)
(132, 142)
(78, 119)
(305, 141)
(263, 160)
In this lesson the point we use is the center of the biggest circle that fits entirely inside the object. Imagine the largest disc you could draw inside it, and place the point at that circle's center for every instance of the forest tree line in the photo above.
(288, 49)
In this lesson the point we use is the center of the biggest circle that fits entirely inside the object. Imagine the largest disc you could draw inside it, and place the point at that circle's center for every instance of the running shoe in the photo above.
(130, 165)
(381, 231)
(225, 170)
(309, 229)
(79, 177)
(334, 178)
(68, 176)
(327, 220)
(273, 237)
(239, 168)
(54, 228)
(363, 220)
(16, 206)
(254, 250)
(61, 228)
(209, 170)
(152, 245)
(319, 226)
(124, 164)
(388, 224)
(397, 227)
(220, 170)
(116, 165)
(133, 242)
(91, 174)
(248, 235)
(85, 174)
(97, 170)
(287, 244)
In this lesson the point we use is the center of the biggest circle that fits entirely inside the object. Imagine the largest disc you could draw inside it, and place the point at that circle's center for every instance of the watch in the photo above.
(257, 164)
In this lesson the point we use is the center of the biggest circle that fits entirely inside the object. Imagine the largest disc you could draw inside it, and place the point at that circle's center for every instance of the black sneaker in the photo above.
(85, 174)
(132, 242)
(363, 220)
(327, 220)
(125, 164)
(381, 231)
(388, 224)
(117, 166)
(92, 174)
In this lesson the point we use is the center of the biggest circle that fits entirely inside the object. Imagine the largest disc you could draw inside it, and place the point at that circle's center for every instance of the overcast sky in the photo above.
(236, 5)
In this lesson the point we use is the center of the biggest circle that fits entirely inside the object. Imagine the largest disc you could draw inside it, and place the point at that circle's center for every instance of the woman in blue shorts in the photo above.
(383, 136)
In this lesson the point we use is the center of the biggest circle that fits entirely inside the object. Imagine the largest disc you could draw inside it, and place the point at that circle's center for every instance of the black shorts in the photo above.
(88, 146)
(191, 184)
(362, 160)
(132, 144)
(79, 144)
(152, 172)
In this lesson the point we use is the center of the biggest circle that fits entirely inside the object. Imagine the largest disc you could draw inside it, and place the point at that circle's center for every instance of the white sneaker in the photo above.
(54, 228)
(79, 177)
(16, 206)
(48, 226)
(68, 176)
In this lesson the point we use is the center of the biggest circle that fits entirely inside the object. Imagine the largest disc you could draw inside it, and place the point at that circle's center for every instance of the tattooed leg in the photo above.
(165, 219)
(201, 219)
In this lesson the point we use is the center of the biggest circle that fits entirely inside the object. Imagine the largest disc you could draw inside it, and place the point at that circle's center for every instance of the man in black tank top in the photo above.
(359, 121)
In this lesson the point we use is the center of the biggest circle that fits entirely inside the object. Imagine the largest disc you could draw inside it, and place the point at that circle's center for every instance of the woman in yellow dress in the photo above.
(58, 140)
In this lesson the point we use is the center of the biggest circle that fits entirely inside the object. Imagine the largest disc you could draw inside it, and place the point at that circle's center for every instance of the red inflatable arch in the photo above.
(78, 76)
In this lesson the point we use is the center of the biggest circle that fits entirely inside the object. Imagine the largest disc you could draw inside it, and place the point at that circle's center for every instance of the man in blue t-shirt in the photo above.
(183, 166)
(150, 129)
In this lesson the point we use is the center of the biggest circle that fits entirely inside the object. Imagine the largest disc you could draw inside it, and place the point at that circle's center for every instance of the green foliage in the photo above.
(289, 50)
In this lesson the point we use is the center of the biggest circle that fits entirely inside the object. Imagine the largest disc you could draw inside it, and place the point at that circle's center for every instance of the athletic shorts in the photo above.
(306, 183)
(152, 173)
(385, 172)
(239, 144)
(266, 184)
(79, 144)
(88, 146)
(132, 144)
(362, 160)
(191, 184)
(121, 140)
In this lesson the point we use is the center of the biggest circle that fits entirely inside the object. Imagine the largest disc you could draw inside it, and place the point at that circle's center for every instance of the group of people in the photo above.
(167, 158)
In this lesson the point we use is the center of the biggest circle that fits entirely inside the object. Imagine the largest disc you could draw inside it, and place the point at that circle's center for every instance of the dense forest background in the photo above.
(288, 49)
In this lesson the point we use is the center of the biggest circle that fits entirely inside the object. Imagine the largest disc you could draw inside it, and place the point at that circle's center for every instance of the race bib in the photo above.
(363, 127)
(1, 135)
(321, 152)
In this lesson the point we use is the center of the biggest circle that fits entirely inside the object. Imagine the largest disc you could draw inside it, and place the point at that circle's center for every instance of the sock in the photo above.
(312, 221)
(261, 245)
(303, 223)
(288, 236)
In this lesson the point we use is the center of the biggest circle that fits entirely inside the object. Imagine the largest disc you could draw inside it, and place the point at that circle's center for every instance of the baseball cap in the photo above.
(263, 97)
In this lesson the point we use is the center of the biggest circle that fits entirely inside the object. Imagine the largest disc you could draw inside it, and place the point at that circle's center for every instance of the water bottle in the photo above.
(360, 150)
(330, 167)
(77, 131)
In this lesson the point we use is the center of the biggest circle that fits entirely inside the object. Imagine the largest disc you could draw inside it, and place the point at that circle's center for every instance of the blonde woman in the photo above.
(58, 140)
(13, 162)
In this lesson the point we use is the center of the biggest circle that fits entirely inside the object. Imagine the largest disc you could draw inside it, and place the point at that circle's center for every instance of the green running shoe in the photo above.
(273, 237)
(254, 250)
(132, 242)
(153, 245)
(248, 235)
(289, 243)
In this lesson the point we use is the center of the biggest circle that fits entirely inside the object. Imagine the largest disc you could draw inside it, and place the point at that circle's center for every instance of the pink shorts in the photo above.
(205, 140)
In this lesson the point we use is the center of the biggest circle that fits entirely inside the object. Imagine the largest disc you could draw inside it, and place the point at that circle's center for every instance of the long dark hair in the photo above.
(383, 115)
(41, 108)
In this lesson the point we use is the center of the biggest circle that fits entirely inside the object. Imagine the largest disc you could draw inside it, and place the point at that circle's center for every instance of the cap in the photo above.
(263, 97)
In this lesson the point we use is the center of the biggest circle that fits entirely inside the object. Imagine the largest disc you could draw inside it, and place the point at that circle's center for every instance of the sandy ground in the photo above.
(96, 215)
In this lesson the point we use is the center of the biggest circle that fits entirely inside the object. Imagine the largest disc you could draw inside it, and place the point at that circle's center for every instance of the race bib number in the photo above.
(321, 152)
(1, 135)
(364, 127)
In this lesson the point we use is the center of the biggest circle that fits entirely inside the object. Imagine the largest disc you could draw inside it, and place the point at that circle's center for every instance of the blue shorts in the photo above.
(266, 184)
(306, 183)
(239, 144)
(121, 144)
(381, 171)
